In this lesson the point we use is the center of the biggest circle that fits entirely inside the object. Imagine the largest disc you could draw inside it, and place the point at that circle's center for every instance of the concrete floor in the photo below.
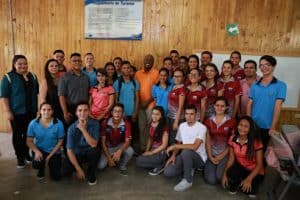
(22, 184)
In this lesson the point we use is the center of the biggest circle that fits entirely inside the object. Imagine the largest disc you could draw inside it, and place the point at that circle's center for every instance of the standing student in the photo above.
(213, 88)
(183, 64)
(176, 99)
(174, 54)
(117, 61)
(102, 97)
(45, 138)
(191, 141)
(160, 90)
(220, 127)
(237, 71)
(89, 69)
(147, 77)
(116, 139)
(83, 137)
(48, 87)
(59, 55)
(231, 88)
(155, 155)
(196, 93)
(111, 72)
(19, 90)
(244, 169)
(206, 58)
(265, 99)
(193, 62)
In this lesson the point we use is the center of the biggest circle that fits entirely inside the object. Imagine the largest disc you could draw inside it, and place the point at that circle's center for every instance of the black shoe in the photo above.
(28, 159)
(232, 190)
(20, 163)
(41, 174)
(92, 180)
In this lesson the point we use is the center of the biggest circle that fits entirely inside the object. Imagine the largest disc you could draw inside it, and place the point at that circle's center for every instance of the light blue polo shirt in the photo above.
(127, 95)
(160, 95)
(92, 76)
(46, 138)
(264, 98)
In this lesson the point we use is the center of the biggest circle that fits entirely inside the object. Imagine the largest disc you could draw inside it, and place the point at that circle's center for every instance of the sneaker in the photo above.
(28, 159)
(182, 185)
(20, 164)
(232, 190)
(124, 172)
(92, 181)
(40, 175)
(156, 171)
(252, 196)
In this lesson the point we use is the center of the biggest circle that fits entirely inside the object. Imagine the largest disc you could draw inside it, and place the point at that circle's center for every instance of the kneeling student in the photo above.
(83, 136)
(191, 141)
(155, 155)
(116, 138)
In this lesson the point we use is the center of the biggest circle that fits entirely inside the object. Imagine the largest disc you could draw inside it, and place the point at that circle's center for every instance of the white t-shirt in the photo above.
(188, 134)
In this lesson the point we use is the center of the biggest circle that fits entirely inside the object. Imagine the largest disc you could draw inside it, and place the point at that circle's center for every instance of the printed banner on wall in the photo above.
(106, 19)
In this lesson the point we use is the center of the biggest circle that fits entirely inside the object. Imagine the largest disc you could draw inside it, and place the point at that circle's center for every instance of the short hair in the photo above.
(251, 61)
(197, 69)
(272, 60)
(101, 71)
(133, 68)
(228, 62)
(184, 57)
(179, 70)
(117, 58)
(165, 70)
(236, 52)
(125, 62)
(58, 51)
(174, 51)
(89, 54)
(82, 103)
(167, 58)
(75, 54)
(190, 107)
(208, 53)
(120, 105)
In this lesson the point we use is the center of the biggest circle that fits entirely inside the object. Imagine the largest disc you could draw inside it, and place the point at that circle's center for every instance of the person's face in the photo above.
(210, 72)
(76, 62)
(21, 66)
(118, 64)
(193, 63)
(220, 107)
(117, 113)
(156, 115)
(205, 59)
(46, 111)
(174, 57)
(168, 64)
(163, 76)
(126, 69)
(82, 112)
(183, 64)
(53, 67)
(89, 60)
(226, 69)
(235, 59)
(110, 70)
(243, 127)
(132, 72)
(60, 57)
(101, 78)
(266, 68)
(178, 77)
(148, 62)
(190, 116)
(249, 70)
(194, 76)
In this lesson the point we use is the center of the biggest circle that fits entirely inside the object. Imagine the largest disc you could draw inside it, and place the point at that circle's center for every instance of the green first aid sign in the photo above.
(232, 29)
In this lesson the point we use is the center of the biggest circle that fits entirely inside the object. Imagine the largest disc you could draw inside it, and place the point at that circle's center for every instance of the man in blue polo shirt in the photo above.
(83, 137)
(265, 99)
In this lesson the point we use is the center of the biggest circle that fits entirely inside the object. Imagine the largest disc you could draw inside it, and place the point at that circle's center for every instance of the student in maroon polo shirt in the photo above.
(196, 94)
(237, 71)
(116, 138)
(244, 169)
(231, 88)
(220, 127)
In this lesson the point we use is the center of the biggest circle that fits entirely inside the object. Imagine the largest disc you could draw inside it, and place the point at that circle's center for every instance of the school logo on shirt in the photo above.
(226, 128)
(230, 88)
(213, 90)
(195, 97)
(108, 129)
(122, 129)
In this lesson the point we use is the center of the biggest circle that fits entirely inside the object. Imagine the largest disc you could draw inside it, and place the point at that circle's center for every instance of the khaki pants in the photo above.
(144, 122)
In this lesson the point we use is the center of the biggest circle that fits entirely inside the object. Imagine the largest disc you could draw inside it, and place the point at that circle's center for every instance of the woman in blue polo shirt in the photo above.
(48, 133)
(19, 89)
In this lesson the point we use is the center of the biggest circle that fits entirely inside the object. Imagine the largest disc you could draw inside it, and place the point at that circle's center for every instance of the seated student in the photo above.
(154, 156)
(83, 137)
(116, 138)
(244, 169)
(220, 126)
(191, 140)
(45, 137)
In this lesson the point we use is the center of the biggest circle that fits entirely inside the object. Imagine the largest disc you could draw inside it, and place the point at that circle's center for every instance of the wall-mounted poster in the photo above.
(106, 19)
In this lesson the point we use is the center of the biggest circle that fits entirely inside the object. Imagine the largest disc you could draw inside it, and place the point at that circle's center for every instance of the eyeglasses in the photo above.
(178, 76)
(265, 65)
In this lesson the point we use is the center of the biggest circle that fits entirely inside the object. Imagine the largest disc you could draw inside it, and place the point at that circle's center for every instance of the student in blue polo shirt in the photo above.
(48, 134)
(89, 69)
(83, 137)
(265, 99)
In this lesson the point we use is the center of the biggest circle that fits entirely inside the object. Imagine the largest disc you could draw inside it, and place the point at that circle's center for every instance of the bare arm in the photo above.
(6, 106)
(236, 105)
(43, 91)
(164, 144)
(249, 107)
(56, 148)
(277, 109)
(179, 111)
(74, 161)
(229, 163)
(89, 139)
(203, 109)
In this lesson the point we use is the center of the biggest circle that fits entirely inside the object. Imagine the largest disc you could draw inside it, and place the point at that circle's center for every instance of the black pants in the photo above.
(19, 128)
(54, 165)
(90, 156)
(265, 137)
(237, 173)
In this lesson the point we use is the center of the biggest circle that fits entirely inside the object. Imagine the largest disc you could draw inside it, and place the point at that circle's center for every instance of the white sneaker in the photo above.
(183, 185)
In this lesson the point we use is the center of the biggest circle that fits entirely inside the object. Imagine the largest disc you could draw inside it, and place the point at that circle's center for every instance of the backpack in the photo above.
(9, 79)
(120, 81)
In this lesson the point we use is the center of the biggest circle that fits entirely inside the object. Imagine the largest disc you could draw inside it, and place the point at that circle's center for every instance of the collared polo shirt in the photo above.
(160, 96)
(92, 76)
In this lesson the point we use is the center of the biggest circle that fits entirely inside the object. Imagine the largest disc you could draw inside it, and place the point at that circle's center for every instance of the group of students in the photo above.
(188, 116)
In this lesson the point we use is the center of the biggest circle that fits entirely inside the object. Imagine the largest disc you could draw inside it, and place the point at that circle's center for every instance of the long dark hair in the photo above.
(52, 88)
(104, 73)
(167, 72)
(161, 124)
(115, 75)
(253, 135)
